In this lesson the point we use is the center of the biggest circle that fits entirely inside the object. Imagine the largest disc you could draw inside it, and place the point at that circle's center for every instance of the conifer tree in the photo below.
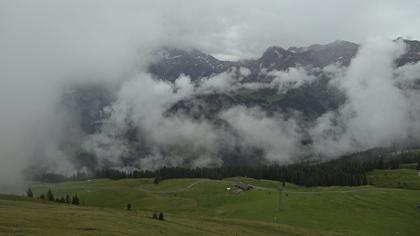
(29, 193)
(75, 200)
(50, 195)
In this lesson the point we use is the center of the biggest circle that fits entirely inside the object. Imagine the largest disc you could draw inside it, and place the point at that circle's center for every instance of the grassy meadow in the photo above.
(206, 207)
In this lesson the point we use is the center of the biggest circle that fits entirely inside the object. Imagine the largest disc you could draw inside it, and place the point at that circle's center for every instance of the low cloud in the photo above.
(377, 112)
(290, 79)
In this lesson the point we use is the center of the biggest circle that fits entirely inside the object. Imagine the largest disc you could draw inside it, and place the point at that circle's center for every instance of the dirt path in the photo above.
(334, 191)
(275, 190)
(175, 190)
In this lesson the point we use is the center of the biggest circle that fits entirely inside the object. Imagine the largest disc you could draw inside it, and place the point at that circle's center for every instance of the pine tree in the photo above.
(155, 216)
(161, 217)
(75, 200)
(128, 206)
(50, 195)
(68, 200)
(418, 165)
(42, 196)
(29, 193)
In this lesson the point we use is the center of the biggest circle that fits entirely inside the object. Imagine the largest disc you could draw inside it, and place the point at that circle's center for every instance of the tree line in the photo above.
(75, 200)
(348, 170)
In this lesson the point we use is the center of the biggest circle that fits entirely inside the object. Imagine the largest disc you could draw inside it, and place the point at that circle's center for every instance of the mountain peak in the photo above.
(172, 62)
(275, 52)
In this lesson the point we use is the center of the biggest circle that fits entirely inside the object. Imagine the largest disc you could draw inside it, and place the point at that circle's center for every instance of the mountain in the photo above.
(312, 99)
(412, 54)
(173, 62)
(86, 102)
(309, 100)
(277, 58)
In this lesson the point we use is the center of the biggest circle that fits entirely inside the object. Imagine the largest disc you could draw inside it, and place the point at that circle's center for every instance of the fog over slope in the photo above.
(377, 112)
(78, 90)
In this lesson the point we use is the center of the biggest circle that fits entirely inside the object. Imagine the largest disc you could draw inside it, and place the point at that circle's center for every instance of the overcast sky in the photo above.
(229, 29)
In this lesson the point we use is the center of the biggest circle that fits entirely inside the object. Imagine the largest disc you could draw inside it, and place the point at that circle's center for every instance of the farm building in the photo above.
(243, 186)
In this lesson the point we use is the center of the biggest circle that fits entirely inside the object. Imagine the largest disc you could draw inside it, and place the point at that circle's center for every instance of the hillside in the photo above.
(200, 205)
(399, 178)
(19, 216)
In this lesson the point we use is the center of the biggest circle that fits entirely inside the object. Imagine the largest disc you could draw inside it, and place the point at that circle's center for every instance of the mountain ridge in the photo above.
(197, 64)
(306, 102)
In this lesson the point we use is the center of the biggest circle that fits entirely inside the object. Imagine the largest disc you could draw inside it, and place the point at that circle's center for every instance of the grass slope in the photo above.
(399, 178)
(21, 216)
(365, 210)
